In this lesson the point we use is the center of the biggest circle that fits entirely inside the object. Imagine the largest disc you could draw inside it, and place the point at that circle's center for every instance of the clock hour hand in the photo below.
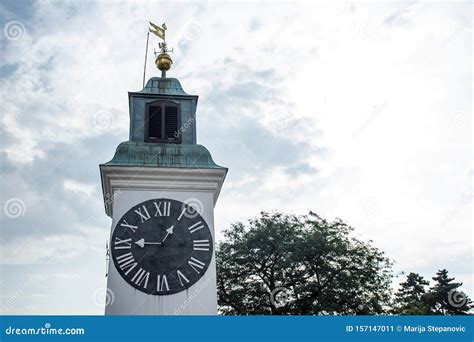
(168, 232)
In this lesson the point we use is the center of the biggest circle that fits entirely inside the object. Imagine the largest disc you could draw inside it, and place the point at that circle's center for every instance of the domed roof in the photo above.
(130, 153)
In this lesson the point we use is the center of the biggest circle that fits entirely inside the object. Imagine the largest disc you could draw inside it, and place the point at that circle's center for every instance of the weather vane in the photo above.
(162, 59)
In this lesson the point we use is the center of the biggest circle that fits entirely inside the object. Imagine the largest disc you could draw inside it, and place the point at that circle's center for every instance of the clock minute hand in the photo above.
(142, 243)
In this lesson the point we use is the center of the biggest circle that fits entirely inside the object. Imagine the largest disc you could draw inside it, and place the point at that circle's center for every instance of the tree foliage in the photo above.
(300, 265)
(443, 298)
(409, 300)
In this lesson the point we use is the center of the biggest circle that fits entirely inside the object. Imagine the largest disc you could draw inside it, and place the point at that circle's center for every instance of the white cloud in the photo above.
(81, 188)
(48, 249)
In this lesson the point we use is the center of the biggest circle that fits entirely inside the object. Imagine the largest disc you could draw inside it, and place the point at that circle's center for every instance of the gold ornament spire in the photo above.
(163, 60)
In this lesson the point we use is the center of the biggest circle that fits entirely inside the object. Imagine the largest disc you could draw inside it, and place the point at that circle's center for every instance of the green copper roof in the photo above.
(130, 153)
(163, 86)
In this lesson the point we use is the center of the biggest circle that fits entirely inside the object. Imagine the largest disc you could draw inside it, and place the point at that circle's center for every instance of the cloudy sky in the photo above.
(357, 111)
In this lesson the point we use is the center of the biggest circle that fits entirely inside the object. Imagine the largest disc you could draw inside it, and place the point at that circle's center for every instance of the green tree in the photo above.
(410, 297)
(312, 267)
(444, 297)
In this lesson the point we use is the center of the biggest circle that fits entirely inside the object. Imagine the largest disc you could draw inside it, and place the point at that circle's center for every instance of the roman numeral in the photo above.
(126, 262)
(162, 208)
(140, 277)
(123, 244)
(195, 264)
(201, 245)
(198, 225)
(125, 224)
(143, 216)
(162, 283)
(182, 277)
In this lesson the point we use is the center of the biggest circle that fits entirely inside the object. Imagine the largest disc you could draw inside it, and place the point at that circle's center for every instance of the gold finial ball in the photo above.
(163, 61)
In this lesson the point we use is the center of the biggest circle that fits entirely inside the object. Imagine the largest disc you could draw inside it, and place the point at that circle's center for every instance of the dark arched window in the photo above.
(162, 122)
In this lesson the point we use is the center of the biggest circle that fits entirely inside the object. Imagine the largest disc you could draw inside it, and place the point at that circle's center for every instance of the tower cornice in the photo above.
(116, 180)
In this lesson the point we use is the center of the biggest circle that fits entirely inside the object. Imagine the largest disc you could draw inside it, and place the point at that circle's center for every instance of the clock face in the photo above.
(161, 246)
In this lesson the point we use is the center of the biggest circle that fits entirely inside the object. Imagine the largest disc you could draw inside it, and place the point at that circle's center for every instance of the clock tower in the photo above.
(160, 189)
